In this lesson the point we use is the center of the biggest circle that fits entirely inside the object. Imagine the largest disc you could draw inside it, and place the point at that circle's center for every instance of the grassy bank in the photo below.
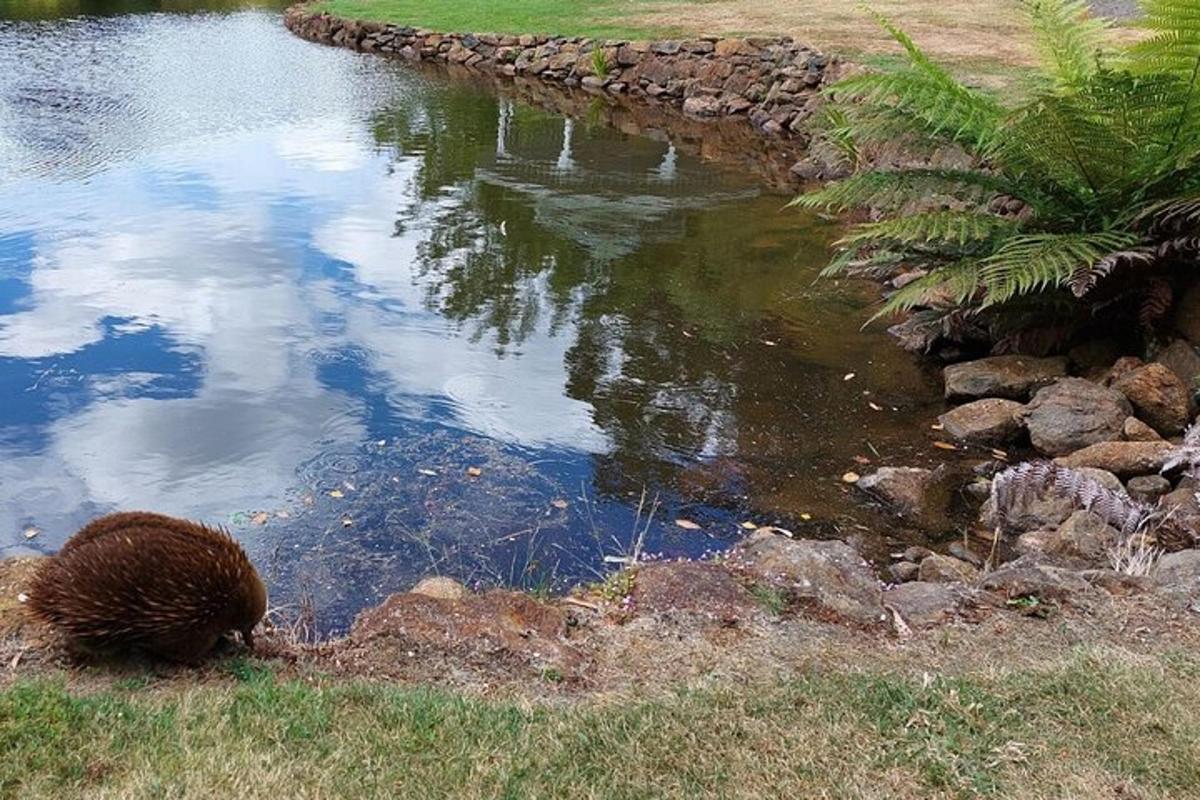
(1093, 724)
(986, 39)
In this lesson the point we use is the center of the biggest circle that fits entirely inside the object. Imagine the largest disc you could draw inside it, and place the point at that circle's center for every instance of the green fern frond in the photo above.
(1038, 262)
(889, 189)
(949, 285)
(958, 228)
(1069, 40)
(1173, 48)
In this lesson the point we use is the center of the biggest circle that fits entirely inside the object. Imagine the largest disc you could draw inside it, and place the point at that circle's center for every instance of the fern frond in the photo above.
(946, 286)
(1036, 262)
(1068, 39)
(1173, 48)
(1085, 280)
(890, 189)
(949, 227)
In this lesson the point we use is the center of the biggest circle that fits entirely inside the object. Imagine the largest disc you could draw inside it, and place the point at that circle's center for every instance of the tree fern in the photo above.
(1090, 180)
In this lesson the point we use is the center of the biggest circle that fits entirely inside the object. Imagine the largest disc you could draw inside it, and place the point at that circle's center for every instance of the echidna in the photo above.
(143, 581)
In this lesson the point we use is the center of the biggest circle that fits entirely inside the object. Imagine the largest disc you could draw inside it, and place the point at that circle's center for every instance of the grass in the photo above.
(984, 39)
(1092, 725)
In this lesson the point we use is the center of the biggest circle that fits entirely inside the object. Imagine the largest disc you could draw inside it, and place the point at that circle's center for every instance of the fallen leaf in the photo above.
(382, 442)
(474, 472)
(260, 518)
(687, 524)
(688, 335)
(348, 486)
(861, 460)
(849, 376)
(875, 406)
(336, 494)
(944, 446)
(428, 472)
(31, 532)
(750, 526)
(937, 426)
(769, 343)
(559, 504)
(283, 514)
(806, 517)
(851, 477)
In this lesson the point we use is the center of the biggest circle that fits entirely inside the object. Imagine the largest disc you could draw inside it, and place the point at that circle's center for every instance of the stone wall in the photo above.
(774, 83)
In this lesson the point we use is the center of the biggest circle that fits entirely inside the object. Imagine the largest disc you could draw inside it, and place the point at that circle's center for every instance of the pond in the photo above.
(382, 323)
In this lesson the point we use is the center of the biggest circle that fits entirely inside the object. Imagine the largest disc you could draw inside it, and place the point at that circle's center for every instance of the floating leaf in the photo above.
(875, 406)
(428, 472)
(260, 518)
(750, 526)
(851, 477)
(687, 524)
(31, 532)
(336, 494)
(347, 522)
(382, 443)
(559, 504)
(474, 472)
(944, 446)
(283, 514)
(769, 343)
(806, 516)
(937, 426)
(849, 376)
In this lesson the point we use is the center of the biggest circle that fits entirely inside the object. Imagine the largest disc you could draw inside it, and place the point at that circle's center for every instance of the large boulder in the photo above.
(830, 577)
(1075, 413)
(1124, 459)
(1012, 377)
(990, 421)
(916, 494)
(1158, 395)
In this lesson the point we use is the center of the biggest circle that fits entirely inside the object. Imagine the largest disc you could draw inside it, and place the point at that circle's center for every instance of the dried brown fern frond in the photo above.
(1042, 478)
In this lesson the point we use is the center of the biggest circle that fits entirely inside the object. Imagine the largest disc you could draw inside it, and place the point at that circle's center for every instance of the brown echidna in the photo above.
(148, 582)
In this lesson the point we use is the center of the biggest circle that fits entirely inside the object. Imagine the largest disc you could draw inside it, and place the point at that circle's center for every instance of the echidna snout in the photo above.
(149, 582)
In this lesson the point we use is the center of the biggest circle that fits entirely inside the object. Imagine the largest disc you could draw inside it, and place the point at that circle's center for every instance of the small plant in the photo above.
(552, 675)
(600, 62)
(1084, 194)
(771, 598)
(616, 586)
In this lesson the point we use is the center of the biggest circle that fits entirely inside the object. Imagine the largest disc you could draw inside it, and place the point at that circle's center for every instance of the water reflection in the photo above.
(300, 292)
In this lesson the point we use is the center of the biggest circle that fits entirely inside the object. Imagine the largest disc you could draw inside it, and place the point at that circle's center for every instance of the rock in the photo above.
(1074, 413)
(1148, 488)
(1178, 571)
(829, 576)
(1187, 314)
(919, 495)
(903, 571)
(1083, 540)
(915, 553)
(924, 605)
(1135, 430)
(1033, 511)
(1012, 377)
(989, 421)
(964, 553)
(440, 587)
(1028, 577)
(698, 587)
(1158, 395)
(938, 568)
(702, 106)
(1182, 359)
(1120, 368)
(497, 630)
(1124, 459)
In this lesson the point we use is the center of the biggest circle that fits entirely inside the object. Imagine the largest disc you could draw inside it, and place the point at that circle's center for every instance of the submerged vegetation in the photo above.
(1081, 196)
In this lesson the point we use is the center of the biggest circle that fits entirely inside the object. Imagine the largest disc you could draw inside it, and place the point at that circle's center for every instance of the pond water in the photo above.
(382, 324)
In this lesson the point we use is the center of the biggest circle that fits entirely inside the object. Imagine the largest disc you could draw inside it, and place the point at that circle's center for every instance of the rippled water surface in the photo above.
(381, 323)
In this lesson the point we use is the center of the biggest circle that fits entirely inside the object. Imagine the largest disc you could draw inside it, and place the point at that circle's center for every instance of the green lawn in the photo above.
(602, 18)
(1090, 726)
